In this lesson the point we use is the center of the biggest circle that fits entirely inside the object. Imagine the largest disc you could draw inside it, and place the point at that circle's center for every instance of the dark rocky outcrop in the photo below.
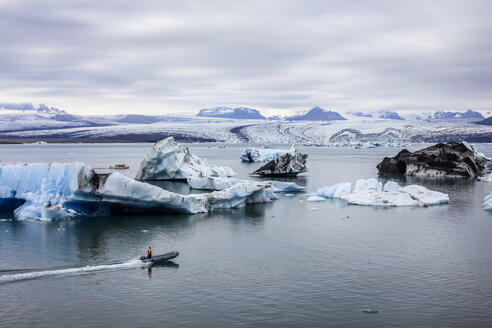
(284, 166)
(450, 159)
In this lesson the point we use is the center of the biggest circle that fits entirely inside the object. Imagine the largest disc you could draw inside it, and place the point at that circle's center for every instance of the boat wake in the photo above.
(135, 263)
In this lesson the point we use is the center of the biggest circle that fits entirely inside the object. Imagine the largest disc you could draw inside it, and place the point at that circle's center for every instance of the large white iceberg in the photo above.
(168, 160)
(65, 191)
(412, 195)
(264, 155)
(372, 192)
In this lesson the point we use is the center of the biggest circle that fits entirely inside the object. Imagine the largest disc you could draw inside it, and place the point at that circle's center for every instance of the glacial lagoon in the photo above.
(288, 263)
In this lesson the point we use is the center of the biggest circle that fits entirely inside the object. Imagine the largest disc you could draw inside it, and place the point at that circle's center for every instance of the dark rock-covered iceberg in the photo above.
(450, 159)
(286, 165)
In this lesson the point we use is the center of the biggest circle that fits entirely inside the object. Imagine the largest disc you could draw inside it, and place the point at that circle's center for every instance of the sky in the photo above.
(281, 57)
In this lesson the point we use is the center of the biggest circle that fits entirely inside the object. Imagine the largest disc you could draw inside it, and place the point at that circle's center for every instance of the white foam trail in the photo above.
(71, 271)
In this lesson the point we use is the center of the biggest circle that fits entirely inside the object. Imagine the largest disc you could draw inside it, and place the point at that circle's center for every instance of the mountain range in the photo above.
(317, 114)
(227, 112)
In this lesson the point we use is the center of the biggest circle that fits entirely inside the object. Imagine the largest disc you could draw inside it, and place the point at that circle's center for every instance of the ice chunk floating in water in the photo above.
(369, 184)
(413, 195)
(334, 191)
(213, 183)
(371, 192)
(168, 160)
(264, 155)
(487, 202)
(64, 191)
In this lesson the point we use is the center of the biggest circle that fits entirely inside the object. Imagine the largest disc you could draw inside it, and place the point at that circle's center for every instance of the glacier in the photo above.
(168, 160)
(264, 155)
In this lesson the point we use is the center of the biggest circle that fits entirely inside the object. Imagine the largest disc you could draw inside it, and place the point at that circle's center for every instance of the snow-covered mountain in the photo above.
(390, 116)
(469, 114)
(138, 119)
(317, 114)
(227, 112)
(30, 107)
(487, 121)
(25, 123)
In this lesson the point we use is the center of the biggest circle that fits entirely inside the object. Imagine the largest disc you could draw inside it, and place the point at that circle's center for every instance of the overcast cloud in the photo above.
(157, 57)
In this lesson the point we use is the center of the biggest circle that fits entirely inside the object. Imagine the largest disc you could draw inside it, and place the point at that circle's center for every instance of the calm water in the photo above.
(289, 263)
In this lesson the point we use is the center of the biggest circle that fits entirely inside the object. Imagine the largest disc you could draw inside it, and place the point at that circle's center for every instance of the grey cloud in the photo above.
(280, 55)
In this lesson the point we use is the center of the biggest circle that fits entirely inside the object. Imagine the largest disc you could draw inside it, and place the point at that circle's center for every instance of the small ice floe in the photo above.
(144, 230)
(316, 199)
(487, 202)
(289, 195)
(314, 209)
(370, 311)
(487, 178)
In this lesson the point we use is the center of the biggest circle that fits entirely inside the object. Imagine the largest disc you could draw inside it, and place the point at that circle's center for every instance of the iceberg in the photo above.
(315, 198)
(391, 185)
(412, 195)
(487, 202)
(264, 155)
(334, 191)
(380, 198)
(60, 191)
(215, 183)
(64, 191)
(369, 184)
(286, 165)
(168, 160)
(240, 194)
(371, 192)
(487, 178)
(450, 159)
